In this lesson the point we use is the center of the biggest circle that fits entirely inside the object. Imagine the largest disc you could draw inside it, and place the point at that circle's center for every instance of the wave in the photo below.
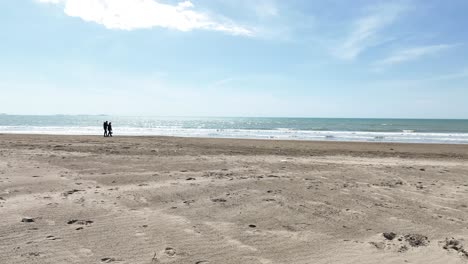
(279, 134)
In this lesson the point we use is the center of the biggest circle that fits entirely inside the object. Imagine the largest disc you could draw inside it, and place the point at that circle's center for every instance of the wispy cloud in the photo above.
(366, 31)
(434, 80)
(246, 8)
(463, 74)
(140, 14)
(224, 81)
(265, 8)
(413, 54)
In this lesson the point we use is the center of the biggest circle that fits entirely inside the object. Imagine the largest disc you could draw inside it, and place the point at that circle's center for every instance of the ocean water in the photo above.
(327, 129)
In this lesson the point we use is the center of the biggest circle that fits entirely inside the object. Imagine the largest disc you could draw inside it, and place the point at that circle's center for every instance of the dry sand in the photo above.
(84, 199)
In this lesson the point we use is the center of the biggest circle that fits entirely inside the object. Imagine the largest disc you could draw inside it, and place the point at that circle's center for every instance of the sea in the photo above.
(321, 129)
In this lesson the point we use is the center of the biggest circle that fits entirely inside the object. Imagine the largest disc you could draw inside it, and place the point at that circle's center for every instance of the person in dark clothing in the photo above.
(109, 129)
(106, 126)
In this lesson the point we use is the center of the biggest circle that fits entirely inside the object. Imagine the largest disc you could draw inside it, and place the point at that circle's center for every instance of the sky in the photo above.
(259, 58)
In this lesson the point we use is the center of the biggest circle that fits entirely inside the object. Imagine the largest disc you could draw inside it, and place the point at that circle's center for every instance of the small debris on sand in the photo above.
(80, 222)
(219, 200)
(32, 254)
(401, 243)
(403, 249)
(417, 240)
(457, 245)
(71, 192)
(107, 260)
(389, 236)
(390, 183)
(28, 220)
(188, 202)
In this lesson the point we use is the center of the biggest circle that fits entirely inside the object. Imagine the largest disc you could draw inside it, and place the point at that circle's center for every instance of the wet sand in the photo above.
(85, 199)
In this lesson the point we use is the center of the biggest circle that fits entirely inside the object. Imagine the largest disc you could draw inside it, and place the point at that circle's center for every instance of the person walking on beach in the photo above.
(105, 125)
(109, 129)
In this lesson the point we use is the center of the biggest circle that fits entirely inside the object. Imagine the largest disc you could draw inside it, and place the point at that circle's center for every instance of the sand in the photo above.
(85, 199)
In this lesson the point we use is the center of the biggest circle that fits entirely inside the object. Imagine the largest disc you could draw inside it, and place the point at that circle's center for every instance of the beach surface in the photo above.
(89, 199)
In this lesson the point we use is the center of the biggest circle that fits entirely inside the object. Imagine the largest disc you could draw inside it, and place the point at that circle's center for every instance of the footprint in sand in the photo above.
(138, 234)
(108, 260)
(86, 252)
(170, 252)
(52, 238)
(455, 245)
(401, 243)
(67, 193)
(167, 255)
(32, 254)
(189, 202)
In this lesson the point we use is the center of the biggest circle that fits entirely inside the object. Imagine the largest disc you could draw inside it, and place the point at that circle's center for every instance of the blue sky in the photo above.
(301, 58)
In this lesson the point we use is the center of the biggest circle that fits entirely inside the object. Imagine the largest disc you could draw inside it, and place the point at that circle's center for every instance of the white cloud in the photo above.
(413, 54)
(140, 14)
(366, 31)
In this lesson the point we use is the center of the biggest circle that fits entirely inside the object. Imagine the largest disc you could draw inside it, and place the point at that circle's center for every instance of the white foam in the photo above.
(280, 134)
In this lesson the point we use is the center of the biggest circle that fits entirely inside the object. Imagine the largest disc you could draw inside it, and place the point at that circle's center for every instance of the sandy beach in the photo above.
(89, 199)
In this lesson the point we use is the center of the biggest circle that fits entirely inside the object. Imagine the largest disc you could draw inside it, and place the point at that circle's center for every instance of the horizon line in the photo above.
(201, 116)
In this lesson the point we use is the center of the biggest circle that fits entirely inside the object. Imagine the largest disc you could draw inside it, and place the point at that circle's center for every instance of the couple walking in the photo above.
(107, 129)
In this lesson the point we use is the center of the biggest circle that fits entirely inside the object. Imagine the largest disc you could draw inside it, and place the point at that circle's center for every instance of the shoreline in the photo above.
(228, 146)
(241, 138)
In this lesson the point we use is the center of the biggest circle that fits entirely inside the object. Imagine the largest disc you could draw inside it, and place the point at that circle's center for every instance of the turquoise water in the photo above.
(335, 129)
